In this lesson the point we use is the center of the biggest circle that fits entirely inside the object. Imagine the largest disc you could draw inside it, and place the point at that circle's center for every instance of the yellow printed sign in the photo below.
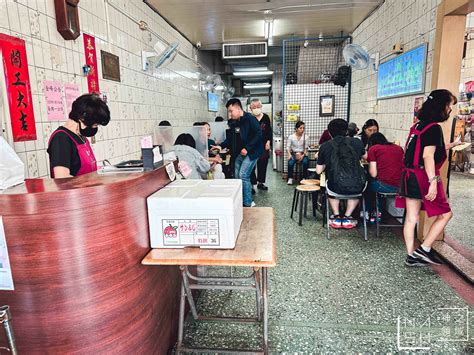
(293, 107)
(292, 118)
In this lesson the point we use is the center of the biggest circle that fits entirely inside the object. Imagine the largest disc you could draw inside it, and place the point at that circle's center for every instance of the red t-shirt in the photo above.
(389, 159)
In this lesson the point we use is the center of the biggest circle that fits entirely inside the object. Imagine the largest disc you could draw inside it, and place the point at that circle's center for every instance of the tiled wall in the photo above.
(467, 72)
(411, 22)
(137, 103)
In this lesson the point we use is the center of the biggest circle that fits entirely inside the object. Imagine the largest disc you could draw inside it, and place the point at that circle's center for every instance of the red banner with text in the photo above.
(17, 81)
(91, 61)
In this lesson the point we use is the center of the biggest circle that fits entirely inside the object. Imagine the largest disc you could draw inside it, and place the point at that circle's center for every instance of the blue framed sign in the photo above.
(212, 102)
(403, 75)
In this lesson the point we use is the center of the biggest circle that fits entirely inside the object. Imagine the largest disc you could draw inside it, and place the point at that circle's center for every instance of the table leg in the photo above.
(181, 318)
(265, 310)
(256, 272)
(189, 294)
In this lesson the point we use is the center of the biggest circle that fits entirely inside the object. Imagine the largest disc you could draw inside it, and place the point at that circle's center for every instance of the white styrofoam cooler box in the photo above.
(200, 213)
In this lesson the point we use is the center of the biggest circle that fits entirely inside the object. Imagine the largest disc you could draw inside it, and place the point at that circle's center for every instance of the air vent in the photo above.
(244, 50)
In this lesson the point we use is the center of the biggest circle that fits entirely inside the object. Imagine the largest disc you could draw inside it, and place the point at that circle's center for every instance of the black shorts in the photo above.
(411, 189)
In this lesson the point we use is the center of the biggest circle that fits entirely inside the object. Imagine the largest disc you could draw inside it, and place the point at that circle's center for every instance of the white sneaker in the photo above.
(290, 181)
(253, 204)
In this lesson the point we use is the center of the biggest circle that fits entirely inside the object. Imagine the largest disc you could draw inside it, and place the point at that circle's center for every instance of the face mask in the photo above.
(88, 131)
(257, 111)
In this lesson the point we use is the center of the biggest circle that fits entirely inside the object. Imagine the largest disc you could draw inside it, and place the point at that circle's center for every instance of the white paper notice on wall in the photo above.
(6, 280)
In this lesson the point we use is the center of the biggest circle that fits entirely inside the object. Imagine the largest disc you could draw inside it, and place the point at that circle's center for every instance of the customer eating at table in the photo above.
(370, 127)
(340, 159)
(385, 167)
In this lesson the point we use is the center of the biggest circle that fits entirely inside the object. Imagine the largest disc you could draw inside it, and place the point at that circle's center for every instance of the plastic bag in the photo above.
(12, 170)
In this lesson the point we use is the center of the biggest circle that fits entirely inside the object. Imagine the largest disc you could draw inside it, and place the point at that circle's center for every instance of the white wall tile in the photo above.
(137, 103)
(401, 21)
(13, 19)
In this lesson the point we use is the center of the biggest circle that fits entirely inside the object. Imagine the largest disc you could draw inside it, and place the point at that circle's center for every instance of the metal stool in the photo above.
(5, 319)
(304, 191)
(344, 197)
(298, 172)
(377, 223)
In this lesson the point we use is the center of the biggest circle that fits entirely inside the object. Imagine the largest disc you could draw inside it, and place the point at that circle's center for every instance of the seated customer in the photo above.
(352, 130)
(340, 158)
(191, 163)
(326, 136)
(370, 127)
(297, 145)
(213, 153)
(385, 167)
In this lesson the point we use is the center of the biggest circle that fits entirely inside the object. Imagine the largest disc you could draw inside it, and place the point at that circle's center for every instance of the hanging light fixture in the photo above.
(268, 28)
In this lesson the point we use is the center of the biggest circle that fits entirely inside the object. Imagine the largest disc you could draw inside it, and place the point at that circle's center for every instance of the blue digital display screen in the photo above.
(402, 75)
(212, 102)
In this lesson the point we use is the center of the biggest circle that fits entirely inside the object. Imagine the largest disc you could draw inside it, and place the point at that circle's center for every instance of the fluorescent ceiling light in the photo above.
(259, 86)
(256, 83)
(257, 68)
(268, 28)
(253, 73)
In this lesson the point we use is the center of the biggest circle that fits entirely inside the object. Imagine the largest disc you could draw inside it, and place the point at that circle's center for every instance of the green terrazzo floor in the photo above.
(342, 295)
(461, 198)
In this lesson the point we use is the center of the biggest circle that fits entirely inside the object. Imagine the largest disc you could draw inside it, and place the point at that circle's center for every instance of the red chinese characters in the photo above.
(17, 80)
(187, 228)
(91, 61)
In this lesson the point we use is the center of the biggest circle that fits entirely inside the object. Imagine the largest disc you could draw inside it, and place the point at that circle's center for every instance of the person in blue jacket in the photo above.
(251, 136)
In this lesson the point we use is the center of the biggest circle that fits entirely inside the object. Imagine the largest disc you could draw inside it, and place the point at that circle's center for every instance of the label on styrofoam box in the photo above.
(190, 232)
(157, 157)
(146, 142)
(171, 171)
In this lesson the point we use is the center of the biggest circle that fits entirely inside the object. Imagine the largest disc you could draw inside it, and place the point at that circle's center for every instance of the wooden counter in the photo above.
(75, 249)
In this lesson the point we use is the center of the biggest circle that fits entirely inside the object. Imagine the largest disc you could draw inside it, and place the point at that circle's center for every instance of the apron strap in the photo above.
(418, 133)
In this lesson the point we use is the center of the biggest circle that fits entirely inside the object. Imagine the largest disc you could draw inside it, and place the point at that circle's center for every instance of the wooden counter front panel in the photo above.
(79, 284)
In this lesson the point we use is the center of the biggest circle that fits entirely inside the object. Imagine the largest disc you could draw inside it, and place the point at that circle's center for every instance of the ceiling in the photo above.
(213, 22)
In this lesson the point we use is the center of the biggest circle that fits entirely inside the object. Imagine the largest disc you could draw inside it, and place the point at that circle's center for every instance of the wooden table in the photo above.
(255, 247)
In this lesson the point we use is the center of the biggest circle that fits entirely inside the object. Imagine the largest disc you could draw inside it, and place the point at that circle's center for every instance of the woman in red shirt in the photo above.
(385, 167)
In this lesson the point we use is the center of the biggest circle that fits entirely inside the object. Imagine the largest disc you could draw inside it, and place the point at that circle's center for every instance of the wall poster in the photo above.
(326, 105)
(54, 100)
(17, 80)
(71, 92)
(91, 61)
(110, 66)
